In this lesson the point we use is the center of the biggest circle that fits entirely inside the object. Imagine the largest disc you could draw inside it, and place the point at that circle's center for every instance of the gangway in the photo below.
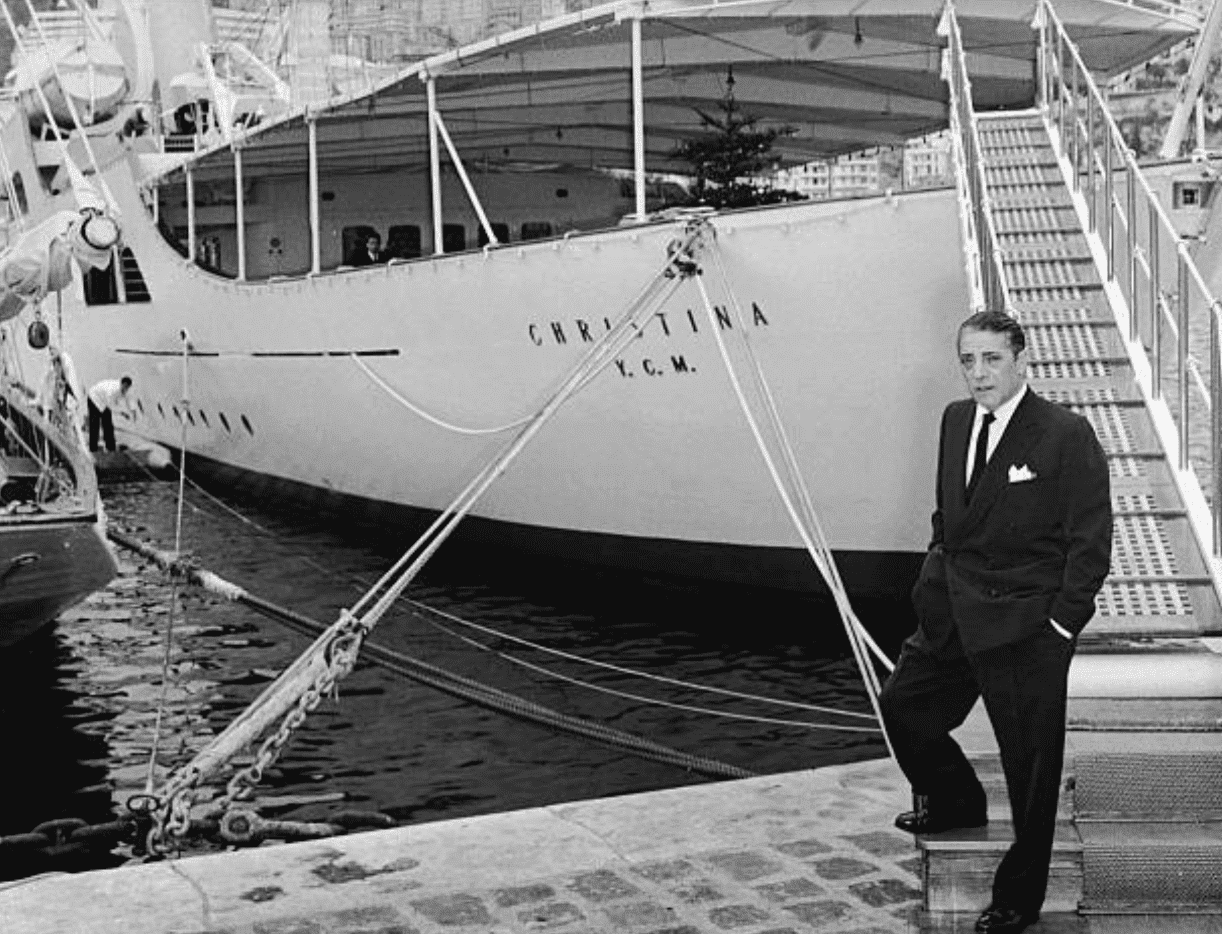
(1061, 230)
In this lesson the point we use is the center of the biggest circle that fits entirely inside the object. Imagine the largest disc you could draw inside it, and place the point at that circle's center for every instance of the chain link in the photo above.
(174, 812)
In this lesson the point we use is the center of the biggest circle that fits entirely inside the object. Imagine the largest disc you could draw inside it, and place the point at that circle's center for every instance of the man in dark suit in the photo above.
(369, 253)
(1021, 544)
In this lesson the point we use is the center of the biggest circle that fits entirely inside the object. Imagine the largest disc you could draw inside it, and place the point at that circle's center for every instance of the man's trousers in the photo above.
(101, 418)
(1024, 688)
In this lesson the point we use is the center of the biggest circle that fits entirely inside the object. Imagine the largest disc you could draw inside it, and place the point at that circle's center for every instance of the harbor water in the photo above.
(80, 701)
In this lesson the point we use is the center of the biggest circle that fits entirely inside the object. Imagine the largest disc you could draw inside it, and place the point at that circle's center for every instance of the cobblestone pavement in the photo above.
(804, 851)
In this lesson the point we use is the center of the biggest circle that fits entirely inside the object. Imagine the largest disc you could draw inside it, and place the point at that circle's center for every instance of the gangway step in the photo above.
(1134, 865)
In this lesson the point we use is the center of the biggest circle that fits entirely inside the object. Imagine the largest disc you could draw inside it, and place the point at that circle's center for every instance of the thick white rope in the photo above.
(169, 629)
(822, 558)
(432, 419)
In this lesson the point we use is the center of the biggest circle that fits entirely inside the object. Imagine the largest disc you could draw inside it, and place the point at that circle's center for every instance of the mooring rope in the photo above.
(806, 523)
(169, 628)
(482, 695)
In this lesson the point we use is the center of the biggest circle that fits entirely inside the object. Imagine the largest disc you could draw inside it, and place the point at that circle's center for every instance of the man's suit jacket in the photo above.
(1033, 544)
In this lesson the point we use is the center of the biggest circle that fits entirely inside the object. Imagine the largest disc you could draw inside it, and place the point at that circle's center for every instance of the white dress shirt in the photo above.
(1001, 418)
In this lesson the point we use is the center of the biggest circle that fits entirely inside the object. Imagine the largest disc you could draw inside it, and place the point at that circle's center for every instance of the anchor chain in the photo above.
(340, 646)
(174, 822)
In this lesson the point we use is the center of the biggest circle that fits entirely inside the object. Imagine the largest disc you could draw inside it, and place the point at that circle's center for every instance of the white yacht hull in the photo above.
(852, 308)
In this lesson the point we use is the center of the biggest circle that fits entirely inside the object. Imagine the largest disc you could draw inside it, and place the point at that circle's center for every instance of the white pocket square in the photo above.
(1021, 474)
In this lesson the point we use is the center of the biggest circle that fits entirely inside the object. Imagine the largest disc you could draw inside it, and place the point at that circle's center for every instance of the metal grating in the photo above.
(1063, 341)
(1028, 196)
(1071, 294)
(1140, 547)
(1055, 273)
(1080, 396)
(1133, 502)
(1125, 468)
(1111, 427)
(1078, 369)
(1131, 598)
(1055, 315)
(1032, 220)
(1023, 173)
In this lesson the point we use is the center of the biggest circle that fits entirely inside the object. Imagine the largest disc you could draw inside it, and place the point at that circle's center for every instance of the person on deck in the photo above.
(1021, 544)
(103, 398)
(369, 254)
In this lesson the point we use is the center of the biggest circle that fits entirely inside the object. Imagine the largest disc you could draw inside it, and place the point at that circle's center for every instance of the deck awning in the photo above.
(837, 75)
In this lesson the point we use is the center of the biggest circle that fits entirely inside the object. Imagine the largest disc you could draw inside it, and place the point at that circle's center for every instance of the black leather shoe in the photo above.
(1004, 921)
(926, 819)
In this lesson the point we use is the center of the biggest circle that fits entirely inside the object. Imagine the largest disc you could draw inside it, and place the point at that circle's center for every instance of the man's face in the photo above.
(373, 244)
(993, 372)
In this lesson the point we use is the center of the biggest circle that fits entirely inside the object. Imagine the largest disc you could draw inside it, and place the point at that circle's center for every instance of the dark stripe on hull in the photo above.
(884, 575)
(45, 569)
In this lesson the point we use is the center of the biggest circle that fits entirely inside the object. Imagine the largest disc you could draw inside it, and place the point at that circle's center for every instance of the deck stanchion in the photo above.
(1156, 312)
(1090, 163)
(1109, 195)
(190, 214)
(430, 85)
(239, 209)
(1077, 180)
(315, 244)
(638, 120)
(1130, 243)
(1215, 426)
(1061, 95)
(1181, 355)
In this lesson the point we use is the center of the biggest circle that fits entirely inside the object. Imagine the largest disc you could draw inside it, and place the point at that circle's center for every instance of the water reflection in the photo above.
(84, 703)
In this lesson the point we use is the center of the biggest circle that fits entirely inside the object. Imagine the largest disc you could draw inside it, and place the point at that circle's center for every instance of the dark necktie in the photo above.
(982, 454)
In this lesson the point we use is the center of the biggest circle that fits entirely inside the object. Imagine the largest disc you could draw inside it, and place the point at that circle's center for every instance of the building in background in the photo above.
(387, 32)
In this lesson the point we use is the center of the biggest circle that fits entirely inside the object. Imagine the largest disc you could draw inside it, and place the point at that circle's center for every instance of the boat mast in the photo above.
(1190, 95)
(430, 85)
(638, 119)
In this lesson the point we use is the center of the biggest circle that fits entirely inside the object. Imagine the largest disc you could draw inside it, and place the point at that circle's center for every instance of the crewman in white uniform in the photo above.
(104, 397)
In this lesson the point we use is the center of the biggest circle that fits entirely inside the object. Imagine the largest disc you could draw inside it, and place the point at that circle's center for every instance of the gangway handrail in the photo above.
(1099, 135)
(980, 242)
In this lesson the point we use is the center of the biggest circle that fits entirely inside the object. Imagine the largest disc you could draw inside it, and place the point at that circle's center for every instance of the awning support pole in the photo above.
(239, 202)
(435, 166)
(190, 214)
(462, 174)
(638, 120)
(315, 240)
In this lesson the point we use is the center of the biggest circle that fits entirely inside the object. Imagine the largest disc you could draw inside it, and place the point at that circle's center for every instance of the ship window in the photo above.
(100, 286)
(536, 230)
(140, 406)
(501, 231)
(403, 241)
(246, 425)
(224, 420)
(203, 417)
(453, 238)
(177, 414)
(161, 410)
(134, 285)
(19, 192)
(190, 417)
(1189, 194)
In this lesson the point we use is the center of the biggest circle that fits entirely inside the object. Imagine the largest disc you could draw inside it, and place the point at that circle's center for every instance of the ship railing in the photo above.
(1149, 274)
(982, 254)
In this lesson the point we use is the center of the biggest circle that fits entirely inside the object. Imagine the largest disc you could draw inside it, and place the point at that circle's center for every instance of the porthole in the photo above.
(246, 425)
(177, 414)
(140, 406)
(224, 420)
(203, 417)
(190, 417)
(160, 410)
